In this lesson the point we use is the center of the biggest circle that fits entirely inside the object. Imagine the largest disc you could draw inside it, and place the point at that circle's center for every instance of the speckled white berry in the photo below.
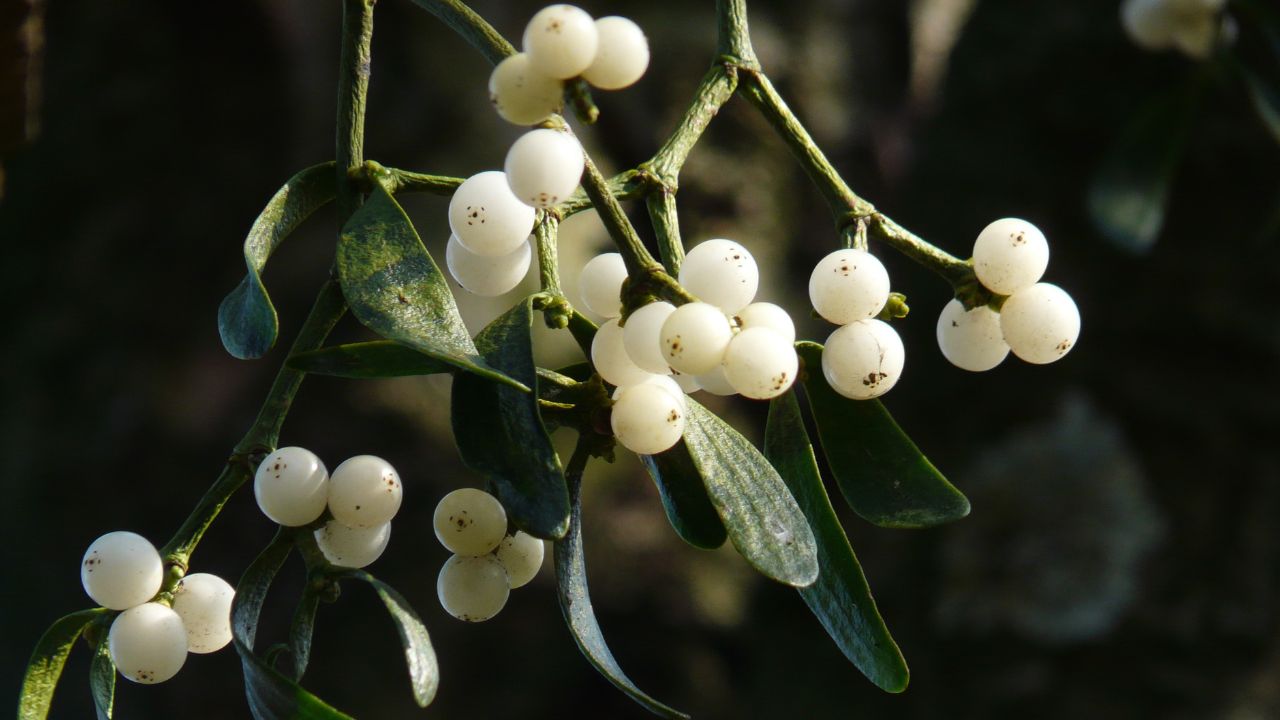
(352, 547)
(647, 419)
(120, 570)
(203, 601)
(521, 555)
(622, 54)
(760, 364)
(486, 216)
(522, 95)
(473, 588)
(1010, 254)
(291, 486)
(863, 360)
(364, 492)
(971, 340)
(694, 338)
(148, 643)
(849, 285)
(544, 167)
(470, 521)
(1041, 323)
(721, 272)
(561, 41)
(768, 315)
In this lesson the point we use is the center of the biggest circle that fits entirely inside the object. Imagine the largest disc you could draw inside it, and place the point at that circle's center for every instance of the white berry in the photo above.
(561, 41)
(863, 360)
(352, 547)
(716, 382)
(544, 166)
(203, 601)
(760, 364)
(1149, 23)
(522, 95)
(622, 54)
(722, 273)
(120, 570)
(1010, 254)
(485, 275)
(601, 284)
(473, 588)
(148, 643)
(647, 419)
(666, 382)
(487, 218)
(1041, 323)
(849, 285)
(686, 382)
(640, 336)
(364, 492)
(768, 315)
(610, 359)
(291, 486)
(521, 555)
(971, 339)
(694, 338)
(470, 522)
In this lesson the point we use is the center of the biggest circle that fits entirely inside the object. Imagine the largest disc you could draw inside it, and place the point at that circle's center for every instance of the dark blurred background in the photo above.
(1121, 559)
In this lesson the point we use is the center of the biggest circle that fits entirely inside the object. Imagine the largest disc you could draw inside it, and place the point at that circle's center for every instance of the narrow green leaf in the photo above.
(271, 695)
(395, 288)
(102, 680)
(500, 434)
(45, 666)
(419, 655)
(840, 598)
(763, 521)
(575, 603)
(377, 359)
(1129, 194)
(301, 629)
(684, 497)
(247, 320)
(881, 473)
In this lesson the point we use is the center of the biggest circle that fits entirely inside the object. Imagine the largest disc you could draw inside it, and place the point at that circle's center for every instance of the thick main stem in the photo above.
(353, 90)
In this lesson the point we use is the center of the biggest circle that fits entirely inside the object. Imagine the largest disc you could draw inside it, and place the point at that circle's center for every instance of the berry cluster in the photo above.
(863, 358)
(293, 488)
(1038, 321)
(487, 563)
(724, 343)
(562, 42)
(149, 641)
(1194, 27)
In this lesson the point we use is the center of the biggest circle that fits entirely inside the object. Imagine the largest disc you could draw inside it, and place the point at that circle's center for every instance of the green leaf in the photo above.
(840, 598)
(271, 695)
(301, 629)
(45, 666)
(377, 359)
(102, 680)
(500, 434)
(247, 320)
(684, 497)
(394, 287)
(1129, 194)
(880, 472)
(424, 671)
(575, 603)
(763, 521)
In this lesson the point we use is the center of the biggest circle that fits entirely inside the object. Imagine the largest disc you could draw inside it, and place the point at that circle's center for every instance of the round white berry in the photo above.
(767, 315)
(561, 41)
(640, 336)
(647, 419)
(544, 166)
(120, 570)
(622, 54)
(1010, 254)
(1196, 33)
(203, 601)
(694, 338)
(521, 95)
(292, 486)
(863, 360)
(487, 218)
(352, 547)
(686, 382)
(1041, 323)
(601, 284)
(485, 275)
(473, 588)
(470, 521)
(722, 273)
(716, 382)
(849, 285)
(148, 643)
(666, 382)
(521, 555)
(1149, 23)
(971, 339)
(364, 492)
(760, 364)
(610, 358)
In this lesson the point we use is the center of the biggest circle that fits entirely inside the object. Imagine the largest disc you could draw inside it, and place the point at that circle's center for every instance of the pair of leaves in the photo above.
(499, 429)
(271, 694)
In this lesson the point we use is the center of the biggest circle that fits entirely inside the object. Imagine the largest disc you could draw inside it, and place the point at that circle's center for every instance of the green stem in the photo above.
(734, 37)
(544, 235)
(954, 270)
(398, 181)
(666, 225)
(626, 185)
(713, 92)
(473, 28)
(353, 92)
(634, 253)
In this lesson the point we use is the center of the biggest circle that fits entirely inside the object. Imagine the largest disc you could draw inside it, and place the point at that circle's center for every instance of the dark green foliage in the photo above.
(684, 497)
(419, 655)
(376, 359)
(102, 680)
(45, 666)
